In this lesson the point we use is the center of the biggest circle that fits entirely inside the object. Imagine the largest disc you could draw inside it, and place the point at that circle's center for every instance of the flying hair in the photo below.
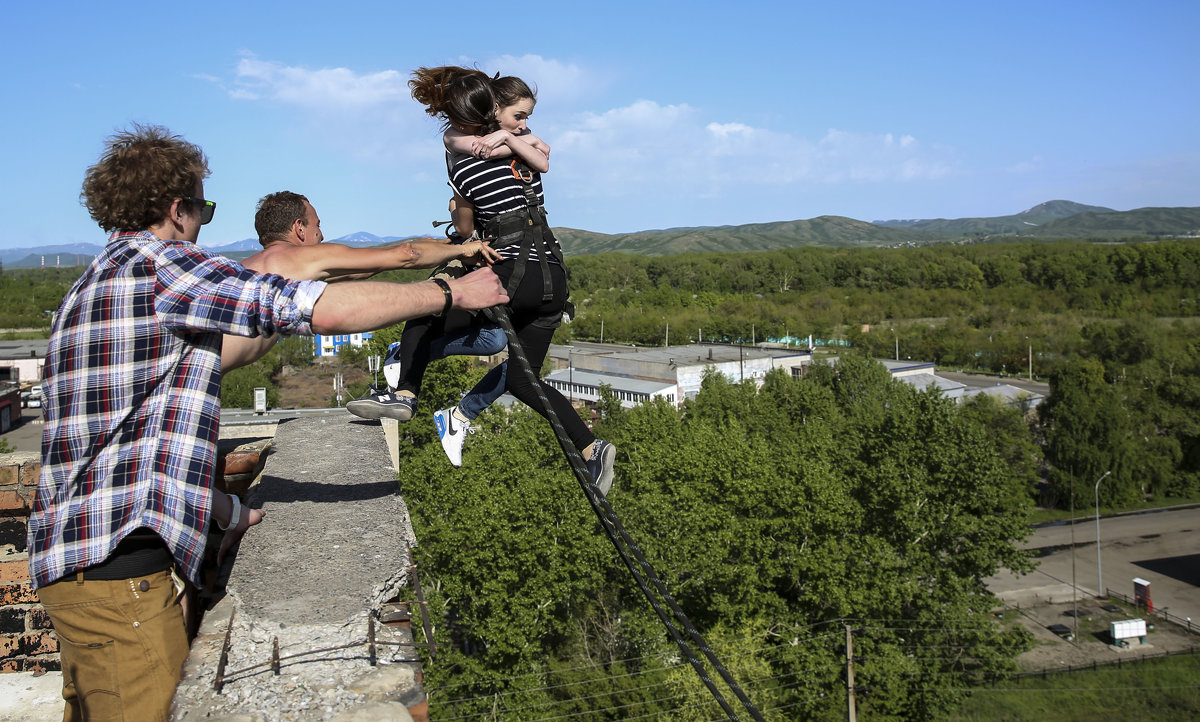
(461, 97)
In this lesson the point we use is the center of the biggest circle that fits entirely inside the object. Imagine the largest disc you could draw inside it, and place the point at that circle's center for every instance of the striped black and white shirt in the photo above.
(493, 188)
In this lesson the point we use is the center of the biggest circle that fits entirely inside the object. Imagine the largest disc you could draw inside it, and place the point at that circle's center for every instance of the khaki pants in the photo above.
(122, 643)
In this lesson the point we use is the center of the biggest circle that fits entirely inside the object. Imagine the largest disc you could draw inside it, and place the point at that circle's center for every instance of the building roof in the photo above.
(926, 380)
(683, 355)
(29, 348)
(1007, 393)
(620, 383)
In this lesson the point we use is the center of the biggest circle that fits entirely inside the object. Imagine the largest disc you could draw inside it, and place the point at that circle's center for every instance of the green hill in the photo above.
(1138, 222)
(1051, 220)
(834, 231)
(1023, 223)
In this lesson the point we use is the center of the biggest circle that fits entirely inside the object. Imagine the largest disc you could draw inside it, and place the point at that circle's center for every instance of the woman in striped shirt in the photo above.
(495, 168)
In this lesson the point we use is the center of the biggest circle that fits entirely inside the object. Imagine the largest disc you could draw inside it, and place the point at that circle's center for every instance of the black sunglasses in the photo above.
(207, 208)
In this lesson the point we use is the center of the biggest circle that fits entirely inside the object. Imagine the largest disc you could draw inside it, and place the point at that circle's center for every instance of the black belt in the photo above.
(140, 554)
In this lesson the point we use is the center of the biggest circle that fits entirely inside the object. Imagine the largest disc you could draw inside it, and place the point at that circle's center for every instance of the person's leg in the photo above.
(477, 339)
(413, 357)
(122, 645)
(453, 424)
(532, 318)
(484, 393)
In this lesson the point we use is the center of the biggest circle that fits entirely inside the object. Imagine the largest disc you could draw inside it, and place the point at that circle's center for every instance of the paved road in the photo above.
(1161, 547)
(985, 380)
(27, 436)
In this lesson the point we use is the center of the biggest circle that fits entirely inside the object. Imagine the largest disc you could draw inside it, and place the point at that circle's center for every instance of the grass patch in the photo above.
(1158, 689)
(1043, 515)
(24, 335)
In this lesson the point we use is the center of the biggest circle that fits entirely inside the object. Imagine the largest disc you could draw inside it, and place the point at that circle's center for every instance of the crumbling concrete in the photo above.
(331, 550)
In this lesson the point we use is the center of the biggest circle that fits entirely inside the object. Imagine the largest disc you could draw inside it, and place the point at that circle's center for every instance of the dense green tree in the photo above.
(767, 511)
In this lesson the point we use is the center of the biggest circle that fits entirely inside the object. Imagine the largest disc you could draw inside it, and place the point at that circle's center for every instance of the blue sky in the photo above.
(659, 114)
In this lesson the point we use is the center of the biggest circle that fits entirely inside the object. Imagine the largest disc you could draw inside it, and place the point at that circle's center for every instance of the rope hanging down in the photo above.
(627, 548)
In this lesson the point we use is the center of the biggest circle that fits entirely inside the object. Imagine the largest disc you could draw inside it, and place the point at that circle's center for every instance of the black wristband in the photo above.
(445, 292)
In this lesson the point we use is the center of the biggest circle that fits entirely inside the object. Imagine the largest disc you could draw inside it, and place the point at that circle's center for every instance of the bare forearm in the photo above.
(530, 156)
(369, 305)
(238, 351)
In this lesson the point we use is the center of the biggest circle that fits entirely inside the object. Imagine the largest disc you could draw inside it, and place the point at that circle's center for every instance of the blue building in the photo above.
(330, 344)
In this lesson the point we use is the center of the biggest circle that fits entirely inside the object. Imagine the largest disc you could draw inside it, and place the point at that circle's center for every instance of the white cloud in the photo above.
(564, 82)
(672, 146)
(322, 88)
(642, 149)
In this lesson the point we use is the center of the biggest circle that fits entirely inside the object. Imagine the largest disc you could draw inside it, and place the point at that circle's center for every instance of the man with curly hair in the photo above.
(133, 372)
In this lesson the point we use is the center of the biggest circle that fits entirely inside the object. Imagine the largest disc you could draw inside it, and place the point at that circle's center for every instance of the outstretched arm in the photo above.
(530, 149)
(413, 254)
(336, 262)
(370, 305)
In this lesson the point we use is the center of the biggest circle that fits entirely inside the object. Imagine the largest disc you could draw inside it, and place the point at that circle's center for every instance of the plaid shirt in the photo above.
(133, 384)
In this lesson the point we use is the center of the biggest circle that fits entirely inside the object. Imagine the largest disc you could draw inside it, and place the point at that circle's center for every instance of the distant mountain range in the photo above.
(74, 254)
(1047, 221)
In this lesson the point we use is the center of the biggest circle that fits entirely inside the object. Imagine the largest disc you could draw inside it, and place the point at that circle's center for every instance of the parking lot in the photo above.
(1159, 547)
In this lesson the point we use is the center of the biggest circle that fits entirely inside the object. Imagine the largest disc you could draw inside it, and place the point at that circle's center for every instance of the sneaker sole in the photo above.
(368, 409)
(607, 458)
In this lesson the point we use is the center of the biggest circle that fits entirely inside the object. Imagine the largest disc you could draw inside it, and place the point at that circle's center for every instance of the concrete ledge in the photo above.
(330, 551)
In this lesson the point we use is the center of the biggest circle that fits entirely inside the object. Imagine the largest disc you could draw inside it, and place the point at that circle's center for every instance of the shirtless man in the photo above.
(289, 230)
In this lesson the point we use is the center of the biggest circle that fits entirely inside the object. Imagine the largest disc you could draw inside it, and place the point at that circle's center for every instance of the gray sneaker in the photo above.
(386, 405)
(600, 464)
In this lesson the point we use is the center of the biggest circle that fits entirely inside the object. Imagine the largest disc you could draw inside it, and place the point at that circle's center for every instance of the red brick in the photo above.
(18, 594)
(14, 571)
(30, 471)
(39, 619)
(26, 645)
(10, 665)
(12, 501)
(12, 619)
(39, 643)
(13, 534)
(41, 665)
(9, 475)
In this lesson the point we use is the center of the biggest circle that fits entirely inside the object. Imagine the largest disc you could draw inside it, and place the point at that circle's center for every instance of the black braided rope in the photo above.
(625, 545)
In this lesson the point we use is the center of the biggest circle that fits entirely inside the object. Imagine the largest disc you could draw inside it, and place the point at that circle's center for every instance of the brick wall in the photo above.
(27, 641)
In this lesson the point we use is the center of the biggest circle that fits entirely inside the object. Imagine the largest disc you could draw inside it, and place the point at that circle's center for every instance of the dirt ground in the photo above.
(1093, 643)
(312, 386)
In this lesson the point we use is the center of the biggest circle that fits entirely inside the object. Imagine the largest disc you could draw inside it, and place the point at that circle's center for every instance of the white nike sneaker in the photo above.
(391, 366)
(452, 433)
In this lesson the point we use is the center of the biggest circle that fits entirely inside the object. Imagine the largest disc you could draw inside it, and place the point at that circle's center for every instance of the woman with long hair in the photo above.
(495, 166)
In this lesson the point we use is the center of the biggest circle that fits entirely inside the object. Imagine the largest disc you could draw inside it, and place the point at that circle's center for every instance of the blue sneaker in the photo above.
(601, 465)
(452, 432)
(387, 405)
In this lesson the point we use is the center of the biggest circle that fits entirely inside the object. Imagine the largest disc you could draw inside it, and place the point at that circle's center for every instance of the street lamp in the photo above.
(1099, 569)
(1030, 357)
(897, 340)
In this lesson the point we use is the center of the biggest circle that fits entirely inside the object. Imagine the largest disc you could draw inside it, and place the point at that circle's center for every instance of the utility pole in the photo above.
(1074, 589)
(850, 714)
(1099, 566)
